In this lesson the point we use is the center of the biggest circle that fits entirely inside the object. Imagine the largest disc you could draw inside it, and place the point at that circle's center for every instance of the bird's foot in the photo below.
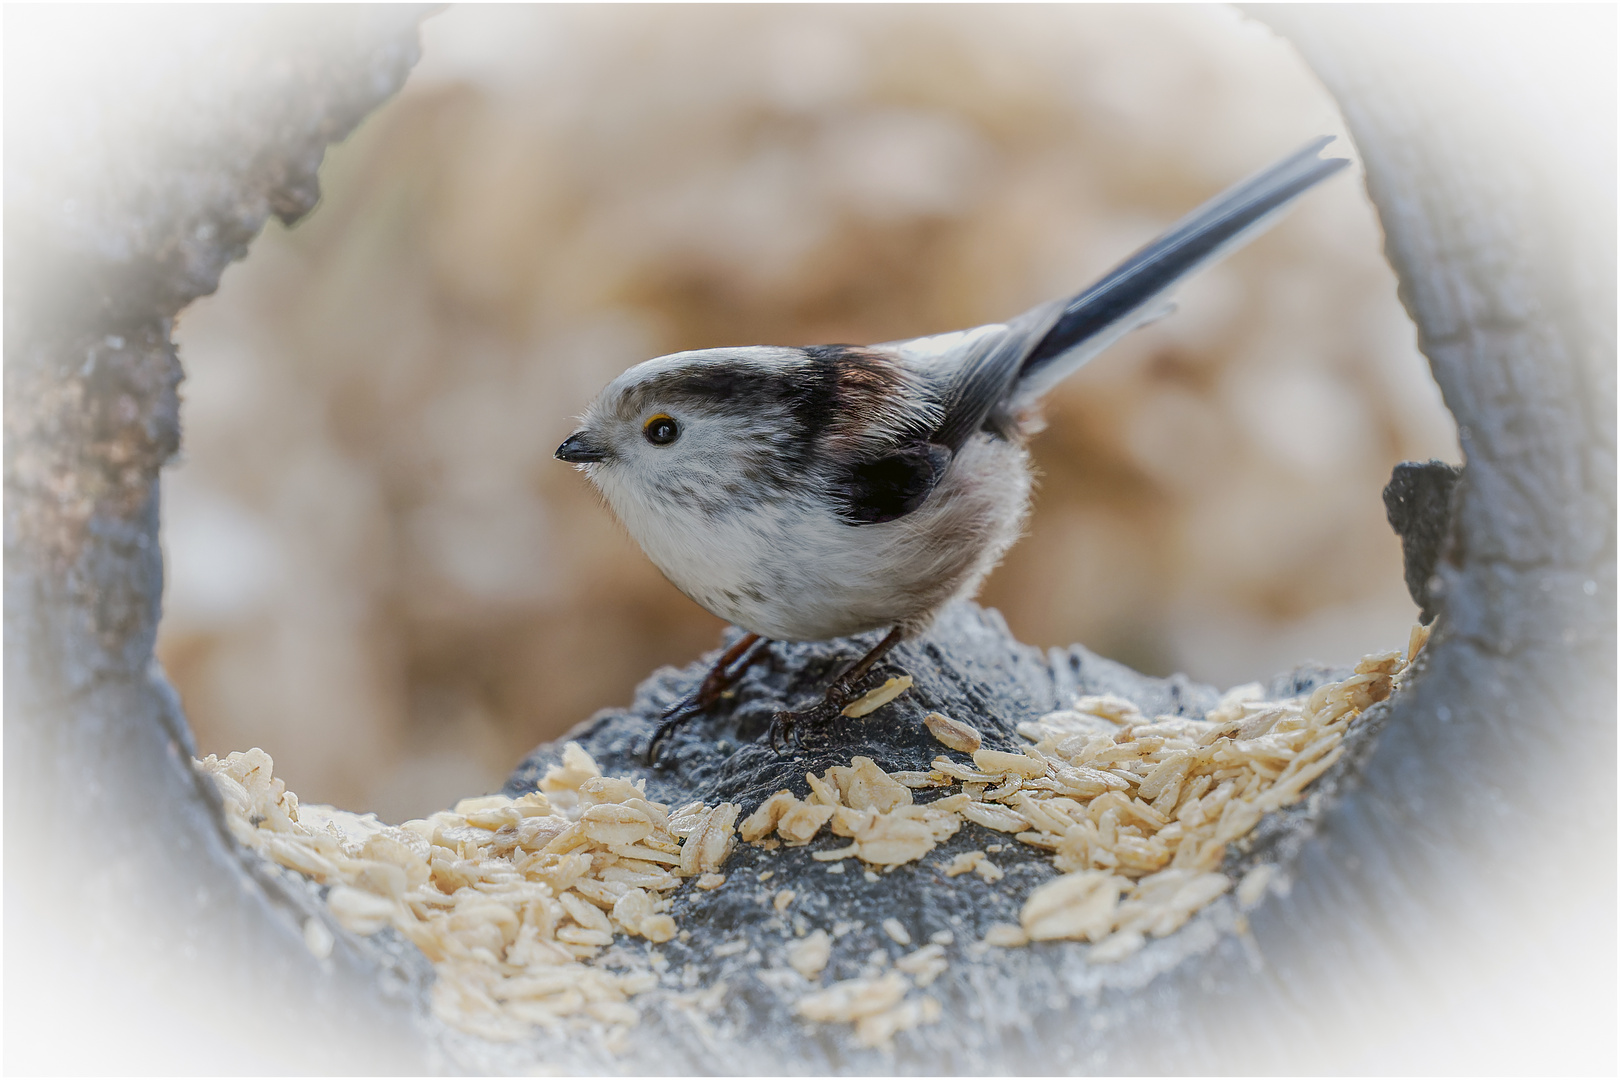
(673, 717)
(725, 673)
(786, 726)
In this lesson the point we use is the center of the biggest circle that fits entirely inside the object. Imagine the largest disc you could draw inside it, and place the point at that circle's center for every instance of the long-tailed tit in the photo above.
(813, 493)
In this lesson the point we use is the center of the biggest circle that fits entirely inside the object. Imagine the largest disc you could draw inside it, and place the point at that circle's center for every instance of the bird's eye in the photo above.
(661, 430)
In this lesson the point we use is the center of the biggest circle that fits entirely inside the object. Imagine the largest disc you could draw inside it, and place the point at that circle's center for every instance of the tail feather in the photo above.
(1134, 292)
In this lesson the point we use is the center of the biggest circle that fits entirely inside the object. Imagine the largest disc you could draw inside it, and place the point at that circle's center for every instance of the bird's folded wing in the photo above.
(985, 375)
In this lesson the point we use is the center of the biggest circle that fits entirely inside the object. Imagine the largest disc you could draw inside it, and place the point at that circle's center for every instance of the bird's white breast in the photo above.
(792, 570)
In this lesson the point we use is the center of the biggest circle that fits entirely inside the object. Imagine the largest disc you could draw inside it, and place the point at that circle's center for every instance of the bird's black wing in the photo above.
(884, 488)
(969, 376)
(983, 376)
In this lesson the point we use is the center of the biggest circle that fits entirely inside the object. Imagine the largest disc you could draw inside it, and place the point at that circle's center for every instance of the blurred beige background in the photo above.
(378, 573)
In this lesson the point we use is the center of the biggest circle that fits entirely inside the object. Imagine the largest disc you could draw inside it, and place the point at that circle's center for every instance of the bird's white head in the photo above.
(695, 433)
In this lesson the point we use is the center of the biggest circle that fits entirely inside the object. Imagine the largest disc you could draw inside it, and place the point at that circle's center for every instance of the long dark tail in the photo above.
(1133, 291)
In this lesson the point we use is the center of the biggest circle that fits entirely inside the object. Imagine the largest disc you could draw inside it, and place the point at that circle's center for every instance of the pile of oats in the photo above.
(512, 898)
(1135, 811)
(861, 802)
(509, 898)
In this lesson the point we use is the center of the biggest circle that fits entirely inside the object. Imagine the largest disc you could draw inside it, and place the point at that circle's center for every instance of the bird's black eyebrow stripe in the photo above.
(717, 385)
(814, 390)
(821, 390)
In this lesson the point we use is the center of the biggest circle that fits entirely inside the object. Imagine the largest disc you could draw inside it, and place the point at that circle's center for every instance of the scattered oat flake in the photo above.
(1077, 905)
(1252, 888)
(874, 700)
(994, 817)
(1384, 663)
(782, 899)
(865, 786)
(317, 938)
(880, 1029)
(1116, 947)
(852, 999)
(924, 965)
(1419, 638)
(802, 821)
(848, 851)
(763, 820)
(946, 767)
(710, 881)
(952, 733)
(896, 932)
(917, 780)
(1108, 706)
(1000, 763)
(1005, 935)
(809, 957)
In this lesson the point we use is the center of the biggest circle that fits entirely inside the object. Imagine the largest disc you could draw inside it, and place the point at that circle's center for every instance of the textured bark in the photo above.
(128, 908)
(1468, 827)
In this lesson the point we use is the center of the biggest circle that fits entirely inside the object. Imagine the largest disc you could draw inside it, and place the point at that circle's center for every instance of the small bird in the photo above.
(805, 494)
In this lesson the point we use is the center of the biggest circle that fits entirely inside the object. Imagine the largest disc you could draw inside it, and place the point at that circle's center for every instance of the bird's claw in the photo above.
(785, 726)
(720, 679)
(674, 716)
(693, 704)
(782, 731)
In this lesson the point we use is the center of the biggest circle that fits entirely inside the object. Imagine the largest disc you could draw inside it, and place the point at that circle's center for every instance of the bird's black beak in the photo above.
(579, 449)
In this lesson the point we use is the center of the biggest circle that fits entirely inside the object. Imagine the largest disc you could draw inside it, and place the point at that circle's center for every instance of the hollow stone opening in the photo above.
(1526, 631)
(379, 573)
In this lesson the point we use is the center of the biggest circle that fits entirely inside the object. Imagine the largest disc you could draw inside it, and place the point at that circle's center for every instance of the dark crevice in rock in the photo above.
(1417, 500)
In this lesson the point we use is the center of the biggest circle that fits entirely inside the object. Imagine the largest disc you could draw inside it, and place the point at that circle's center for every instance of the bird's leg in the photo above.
(838, 693)
(721, 677)
(843, 687)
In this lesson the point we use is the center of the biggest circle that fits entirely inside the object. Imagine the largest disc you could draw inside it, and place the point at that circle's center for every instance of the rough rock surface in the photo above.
(968, 667)
(1023, 1010)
